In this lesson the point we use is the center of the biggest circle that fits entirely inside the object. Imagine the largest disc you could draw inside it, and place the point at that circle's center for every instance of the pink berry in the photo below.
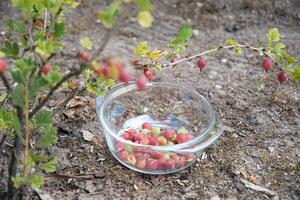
(146, 126)
(119, 146)
(126, 136)
(145, 141)
(169, 133)
(161, 163)
(125, 76)
(84, 56)
(123, 155)
(131, 132)
(137, 137)
(201, 64)
(3, 66)
(153, 141)
(141, 163)
(46, 69)
(152, 164)
(149, 74)
(157, 154)
(188, 137)
(180, 162)
(267, 64)
(170, 164)
(181, 138)
(141, 82)
(282, 77)
(131, 159)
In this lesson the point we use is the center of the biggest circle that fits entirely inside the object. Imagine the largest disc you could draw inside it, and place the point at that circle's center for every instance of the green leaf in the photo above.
(6, 119)
(86, 43)
(11, 49)
(185, 32)
(231, 42)
(278, 46)
(49, 137)
(273, 35)
(16, 125)
(18, 181)
(141, 49)
(144, 5)
(36, 84)
(100, 86)
(2, 54)
(16, 95)
(107, 17)
(53, 77)
(46, 48)
(296, 73)
(17, 75)
(145, 19)
(29, 162)
(289, 59)
(35, 181)
(15, 26)
(39, 157)
(50, 166)
(25, 64)
(43, 118)
(59, 30)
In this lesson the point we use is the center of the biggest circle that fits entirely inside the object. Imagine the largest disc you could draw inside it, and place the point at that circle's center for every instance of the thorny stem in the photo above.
(260, 50)
(26, 127)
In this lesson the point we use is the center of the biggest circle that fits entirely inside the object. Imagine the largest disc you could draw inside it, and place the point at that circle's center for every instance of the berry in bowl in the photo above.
(162, 129)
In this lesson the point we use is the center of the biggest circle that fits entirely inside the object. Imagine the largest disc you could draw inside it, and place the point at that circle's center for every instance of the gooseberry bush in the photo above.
(31, 74)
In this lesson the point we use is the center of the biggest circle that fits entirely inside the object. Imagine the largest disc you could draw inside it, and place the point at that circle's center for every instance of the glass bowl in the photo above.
(127, 112)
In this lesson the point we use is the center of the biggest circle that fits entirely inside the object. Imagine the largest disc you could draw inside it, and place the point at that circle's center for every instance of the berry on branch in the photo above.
(84, 56)
(267, 64)
(201, 64)
(3, 66)
(46, 69)
(149, 74)
(141, 82)
(282, 77)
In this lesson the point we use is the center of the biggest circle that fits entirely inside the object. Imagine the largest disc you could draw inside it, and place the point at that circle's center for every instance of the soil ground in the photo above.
(262, 127)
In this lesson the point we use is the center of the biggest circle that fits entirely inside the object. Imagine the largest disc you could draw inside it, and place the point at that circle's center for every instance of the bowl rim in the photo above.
(123, 88)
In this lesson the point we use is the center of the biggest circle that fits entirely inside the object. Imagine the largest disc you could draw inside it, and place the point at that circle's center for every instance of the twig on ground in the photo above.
(260, 189)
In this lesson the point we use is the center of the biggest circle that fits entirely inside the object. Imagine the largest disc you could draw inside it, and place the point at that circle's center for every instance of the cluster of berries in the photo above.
(150, 159)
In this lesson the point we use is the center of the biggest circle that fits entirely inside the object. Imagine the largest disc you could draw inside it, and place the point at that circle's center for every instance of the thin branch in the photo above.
(66, 78)
(26, 127)
(212, 51)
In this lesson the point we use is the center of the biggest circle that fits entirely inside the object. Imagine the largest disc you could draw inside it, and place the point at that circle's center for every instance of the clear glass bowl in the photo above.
(164, 105)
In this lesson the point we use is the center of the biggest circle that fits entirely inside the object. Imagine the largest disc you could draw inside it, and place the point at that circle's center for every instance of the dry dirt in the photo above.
(262, 127)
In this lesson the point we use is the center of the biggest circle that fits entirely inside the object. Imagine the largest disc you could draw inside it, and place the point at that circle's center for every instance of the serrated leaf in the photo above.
(17, 75)
(185, 32)
(16, 125)
(289, 59)
(53, 77)
(15, 26)
(29, 162)
(141, 49)
(59, 30)
(49, 137)
(296, 73)
(279, 46)
(35, 181)
(50, 166)
(16, 95)
(43, 118)
(273, 35)
(107, 17)
(25, 64)
(154, 55)
(36, 84)
(144, 5)
(11, 49)
(86, 43)
(145, 19)
(18, 181)
(39, 157)
(46, 48)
